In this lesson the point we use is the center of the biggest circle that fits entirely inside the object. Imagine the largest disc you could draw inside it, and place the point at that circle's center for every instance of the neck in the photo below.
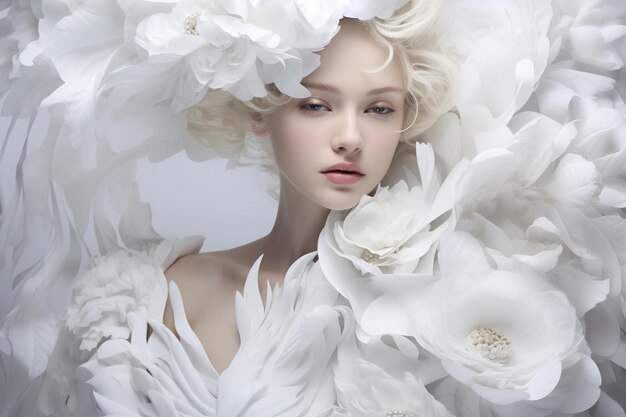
(296, 230)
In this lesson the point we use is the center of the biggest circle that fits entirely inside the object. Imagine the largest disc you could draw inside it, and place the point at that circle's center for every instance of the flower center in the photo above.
(490, 344)
(191, 24)
(400, 413)
(368, 256)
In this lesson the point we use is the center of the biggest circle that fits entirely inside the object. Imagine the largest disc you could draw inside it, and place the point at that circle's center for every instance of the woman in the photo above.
(483, 276)
(341, 123)
(330, 148)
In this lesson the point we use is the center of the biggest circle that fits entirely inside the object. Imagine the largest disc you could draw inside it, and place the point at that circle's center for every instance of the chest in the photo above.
(216, 327)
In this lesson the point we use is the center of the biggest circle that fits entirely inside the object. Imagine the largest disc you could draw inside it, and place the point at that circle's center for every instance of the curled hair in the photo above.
(412, 35)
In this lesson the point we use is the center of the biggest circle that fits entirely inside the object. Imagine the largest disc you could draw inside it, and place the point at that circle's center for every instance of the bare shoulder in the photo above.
(208, 282)
(200, 277)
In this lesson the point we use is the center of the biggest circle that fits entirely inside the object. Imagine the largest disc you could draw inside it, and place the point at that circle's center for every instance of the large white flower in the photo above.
(242, 45)
(393, 230)
(518, 229)
(387, 233)
(511, 337)
(386, 244)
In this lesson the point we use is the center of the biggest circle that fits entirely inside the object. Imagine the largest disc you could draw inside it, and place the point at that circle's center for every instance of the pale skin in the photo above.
(352, 116)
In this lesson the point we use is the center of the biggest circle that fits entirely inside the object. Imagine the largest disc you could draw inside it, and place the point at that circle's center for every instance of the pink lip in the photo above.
(344, 166)
(343, 177)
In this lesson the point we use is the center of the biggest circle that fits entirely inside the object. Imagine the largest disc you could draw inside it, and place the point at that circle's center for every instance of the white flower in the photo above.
(319, 12)
(584, 47)
(509, 336)
(385, 246)
(391, 231)
(376, 376)
(372, 392)
(118, 285)
(236, 53)
(570, 248)
(590, 30)
(506, 49)
(242, 45)
(380, 235)
(542, 214)
(598, 140)
(18, 28)
(369, 9)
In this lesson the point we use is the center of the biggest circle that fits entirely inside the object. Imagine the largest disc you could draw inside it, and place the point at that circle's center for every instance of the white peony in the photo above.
(116, 286)
(518, 230)
(387, 233)
(393, 230)
(240, 46)
(511, 337)
(385, 246)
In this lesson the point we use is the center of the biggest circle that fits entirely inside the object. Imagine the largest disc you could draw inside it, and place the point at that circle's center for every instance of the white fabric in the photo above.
(103, 361)
(523, 180)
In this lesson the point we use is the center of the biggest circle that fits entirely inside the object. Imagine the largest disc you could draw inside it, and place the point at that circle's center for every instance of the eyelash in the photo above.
(306, 107)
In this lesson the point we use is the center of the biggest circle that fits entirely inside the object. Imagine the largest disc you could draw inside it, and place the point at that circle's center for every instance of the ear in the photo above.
(259, 124)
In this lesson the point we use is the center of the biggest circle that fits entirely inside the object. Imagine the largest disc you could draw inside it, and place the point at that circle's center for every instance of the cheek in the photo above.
(293, 145)
(383, 142)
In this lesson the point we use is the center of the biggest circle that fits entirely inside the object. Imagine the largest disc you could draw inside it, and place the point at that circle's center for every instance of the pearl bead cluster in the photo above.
(400, 413)
(490, 344)
(368, 256)
(191, 24)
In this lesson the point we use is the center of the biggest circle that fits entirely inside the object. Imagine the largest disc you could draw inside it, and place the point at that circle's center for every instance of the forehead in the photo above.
(351, 56)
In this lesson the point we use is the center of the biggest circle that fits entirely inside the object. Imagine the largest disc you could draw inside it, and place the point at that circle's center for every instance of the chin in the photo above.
(342, 202)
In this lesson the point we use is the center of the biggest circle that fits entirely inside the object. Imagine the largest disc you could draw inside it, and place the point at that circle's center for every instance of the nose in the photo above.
(348, 138)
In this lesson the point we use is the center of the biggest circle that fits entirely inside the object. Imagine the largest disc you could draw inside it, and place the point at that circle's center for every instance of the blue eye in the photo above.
(313, 107)
(383, 111)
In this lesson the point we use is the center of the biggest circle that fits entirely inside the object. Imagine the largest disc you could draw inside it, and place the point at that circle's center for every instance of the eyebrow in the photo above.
(334, 90)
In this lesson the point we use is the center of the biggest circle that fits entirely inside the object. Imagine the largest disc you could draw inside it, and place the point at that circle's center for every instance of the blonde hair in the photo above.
(413, 35)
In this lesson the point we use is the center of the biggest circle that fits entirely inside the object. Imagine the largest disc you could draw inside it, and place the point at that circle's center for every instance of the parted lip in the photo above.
(344, 166)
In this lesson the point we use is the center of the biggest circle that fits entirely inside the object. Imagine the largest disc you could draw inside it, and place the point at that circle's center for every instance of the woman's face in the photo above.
(351, 117)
